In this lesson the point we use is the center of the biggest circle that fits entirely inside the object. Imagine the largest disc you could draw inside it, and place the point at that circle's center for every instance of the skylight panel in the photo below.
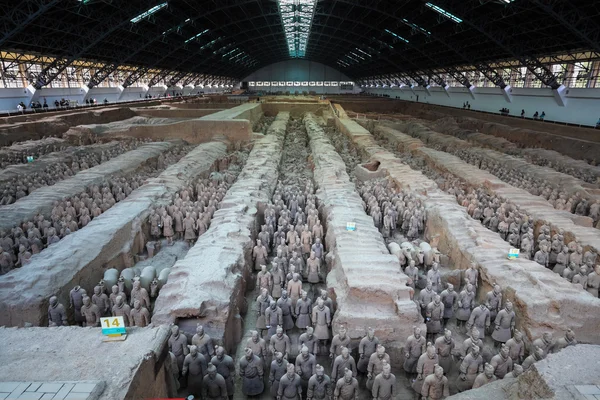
(444, 13)
(416, 27)
(296, 17)
(364, 52)
(196, 36)
(396, 36)
(356, 55)
(148, 13)
(177, 27)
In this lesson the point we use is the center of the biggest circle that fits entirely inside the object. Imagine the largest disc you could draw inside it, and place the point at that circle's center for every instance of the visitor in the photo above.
(19, 108)
(465, 106)
(45, 103)
(523, 113)
(543, 115)
(105, 100)
(536, 115)
(56, 103)
(598, 124)
(87, 101)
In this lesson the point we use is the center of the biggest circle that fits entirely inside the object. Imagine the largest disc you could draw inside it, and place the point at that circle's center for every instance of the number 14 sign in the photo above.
(114, 328)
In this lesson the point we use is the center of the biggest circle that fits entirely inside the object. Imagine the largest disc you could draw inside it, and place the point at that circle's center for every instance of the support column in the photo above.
(560, 96)
(507, 93)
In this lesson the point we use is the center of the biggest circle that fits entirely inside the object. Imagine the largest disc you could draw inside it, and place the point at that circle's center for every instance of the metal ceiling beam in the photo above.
(16, 16)
(586, 27)
(467, 11)
(87, 41)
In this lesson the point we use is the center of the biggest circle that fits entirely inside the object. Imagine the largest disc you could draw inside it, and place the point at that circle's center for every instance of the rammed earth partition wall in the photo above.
(368, 285)
(41, 200)
(543, 301)
(208, 286)
(106, 242)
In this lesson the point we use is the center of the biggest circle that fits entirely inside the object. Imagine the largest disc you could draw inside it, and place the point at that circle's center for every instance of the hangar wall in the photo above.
(299, 71)
(582, 106)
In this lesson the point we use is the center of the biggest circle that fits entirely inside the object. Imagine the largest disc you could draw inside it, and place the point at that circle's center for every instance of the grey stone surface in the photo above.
(208, 284)
(50, 387)
(64, 390)
(370, 288)
(78, 260)
(62, 356)
(30, 396)
(7, 387)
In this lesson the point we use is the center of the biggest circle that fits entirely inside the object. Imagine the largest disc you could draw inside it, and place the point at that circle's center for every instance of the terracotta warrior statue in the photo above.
(471, 366)
(251, 372)
(505, 324)
(450, 300)
(277, 371)
(502, 362)
(494, 301)
(517, 370)
(466, 303)
(366, 347)
(320, 386)
(290, 385)
(178, 345)
(434, 314)
(90, 312)
(303, 311)
(480, 318)
(214, 386)
(485, 377)
(516, 347)
(225, 367)
(203, 342)
(471, 275)
(259, 254)
(536, 354)
(194, 367)
(425, 365)
(384, 385)
(340, 340)
(258, 345)
(377, 361)
(321, 319)
(141, 294)
(273, 318)
(415, 346)
(306, 364)
(280, 342)
(139, 315)
(346, 388)
(565, 341)
(121, 309)
(287, 311)
(76, 302)
(101, 300)
(546, 343)
(343, 362)
(264, 279)
(435, 386)
(57, 315)
(444, 346)
(309, 340)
